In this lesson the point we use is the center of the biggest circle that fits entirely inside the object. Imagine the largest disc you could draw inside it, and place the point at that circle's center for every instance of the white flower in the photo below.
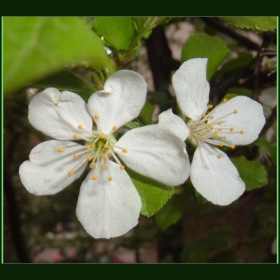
(237, 121)
(108, 204)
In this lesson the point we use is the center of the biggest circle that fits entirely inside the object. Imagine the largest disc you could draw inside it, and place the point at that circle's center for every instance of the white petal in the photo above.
(249, 118)
(216, 179)
(192, 88)
(154, 151)
(108, 208)
(58, 114)
(121, 101)
(174, 123)
(46, 171)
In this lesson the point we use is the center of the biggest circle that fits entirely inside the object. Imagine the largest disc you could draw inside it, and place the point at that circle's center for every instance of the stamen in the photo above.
(103, 155)
(220, 129)
(75, 136)
(89, 158)
(93, 145)
(101, 136)
(70, 173)
(210, 106)
(75, 156)
(203, 115)
(124, 150)
(88, 147)
(122, 167)
(231, 129)
(102, 165)
(94, 177)
(225, 100)
(232, 146)
(80, 126)
(60, 149)
(110, 178)
(241, 131)
(219, 123)
(215, 134)
(212, 117)
(92, 165)
(115, 127)
(235, 111)
(201, 133)
(219, 156)
(221, 144)
(105, 146)
(96, 117)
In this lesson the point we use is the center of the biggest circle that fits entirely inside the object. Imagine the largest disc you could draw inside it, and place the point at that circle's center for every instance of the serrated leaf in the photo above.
(243, 61)
(253, 23)
(202, 45)
(118, 32)
(171, 212)
(67, 81)
(251, 172)
(146, 114)
(268, 147)
(35, 47)
(153, 194)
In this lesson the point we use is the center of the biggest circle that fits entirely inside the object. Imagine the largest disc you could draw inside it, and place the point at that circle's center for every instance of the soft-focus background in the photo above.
(187, 229)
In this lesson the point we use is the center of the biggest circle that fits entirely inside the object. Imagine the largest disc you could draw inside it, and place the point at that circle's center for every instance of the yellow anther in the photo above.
(220, 129)
(70, 173)
(211, 126)
(96, 117)
(110, 178)
(212, 117)
(115, 127)
(210, 106)
(60, 149)
(122, 167)
(88, 147)
(219, 123)
(75, 156)
(221, 144)
(203, 115)
(219, 156)
(201, 133)
(89, 158)
(75, 136)
(225, 100)
(235, 111)
(94, 177)
(232, 146)
(215, 134)
(231, 129)
(207, 126)
(101, 136)
(92, 165)
(241, 131)
(108, 152)
(93, 145)
(105, 146)
(103, 155)
(102, 165)
(124, 150)
(80, 126)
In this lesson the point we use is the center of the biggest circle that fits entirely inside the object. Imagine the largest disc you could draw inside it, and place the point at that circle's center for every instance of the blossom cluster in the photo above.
(85, 138)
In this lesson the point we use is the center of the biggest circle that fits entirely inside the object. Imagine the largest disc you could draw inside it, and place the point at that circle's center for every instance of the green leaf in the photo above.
(243, 61)
(202, 45)
(251, 172)
(35, 47)
(253, 23)
(132, 125)
(265, 145)
(171, 213)
(118, 32)
(240, 91)
(153, 194)
(146, 113)
(67, 81)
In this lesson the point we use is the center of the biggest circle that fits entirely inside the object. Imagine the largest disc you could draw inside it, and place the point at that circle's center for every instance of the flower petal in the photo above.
(216, 179)
(59, 114)
(46, 171)
(174, 123)
(249, 118)
(192, 88)
(106, 208)
(121, 101)
(156, 152)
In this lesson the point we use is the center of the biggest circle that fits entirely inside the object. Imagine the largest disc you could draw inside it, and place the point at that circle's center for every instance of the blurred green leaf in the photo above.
(118, 32)
(171, 213)
(253, 23)
(267, 146)
(202, 45)
(67, 81)
(153, 194)
(223, 257)
(35, 47)
(132, 125)
(251, 172)
(200, 198)
(240, 91)
(146, 113)
(243, 61)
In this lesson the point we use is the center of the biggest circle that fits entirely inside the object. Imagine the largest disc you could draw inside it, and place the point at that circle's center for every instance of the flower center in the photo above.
(212, 130)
